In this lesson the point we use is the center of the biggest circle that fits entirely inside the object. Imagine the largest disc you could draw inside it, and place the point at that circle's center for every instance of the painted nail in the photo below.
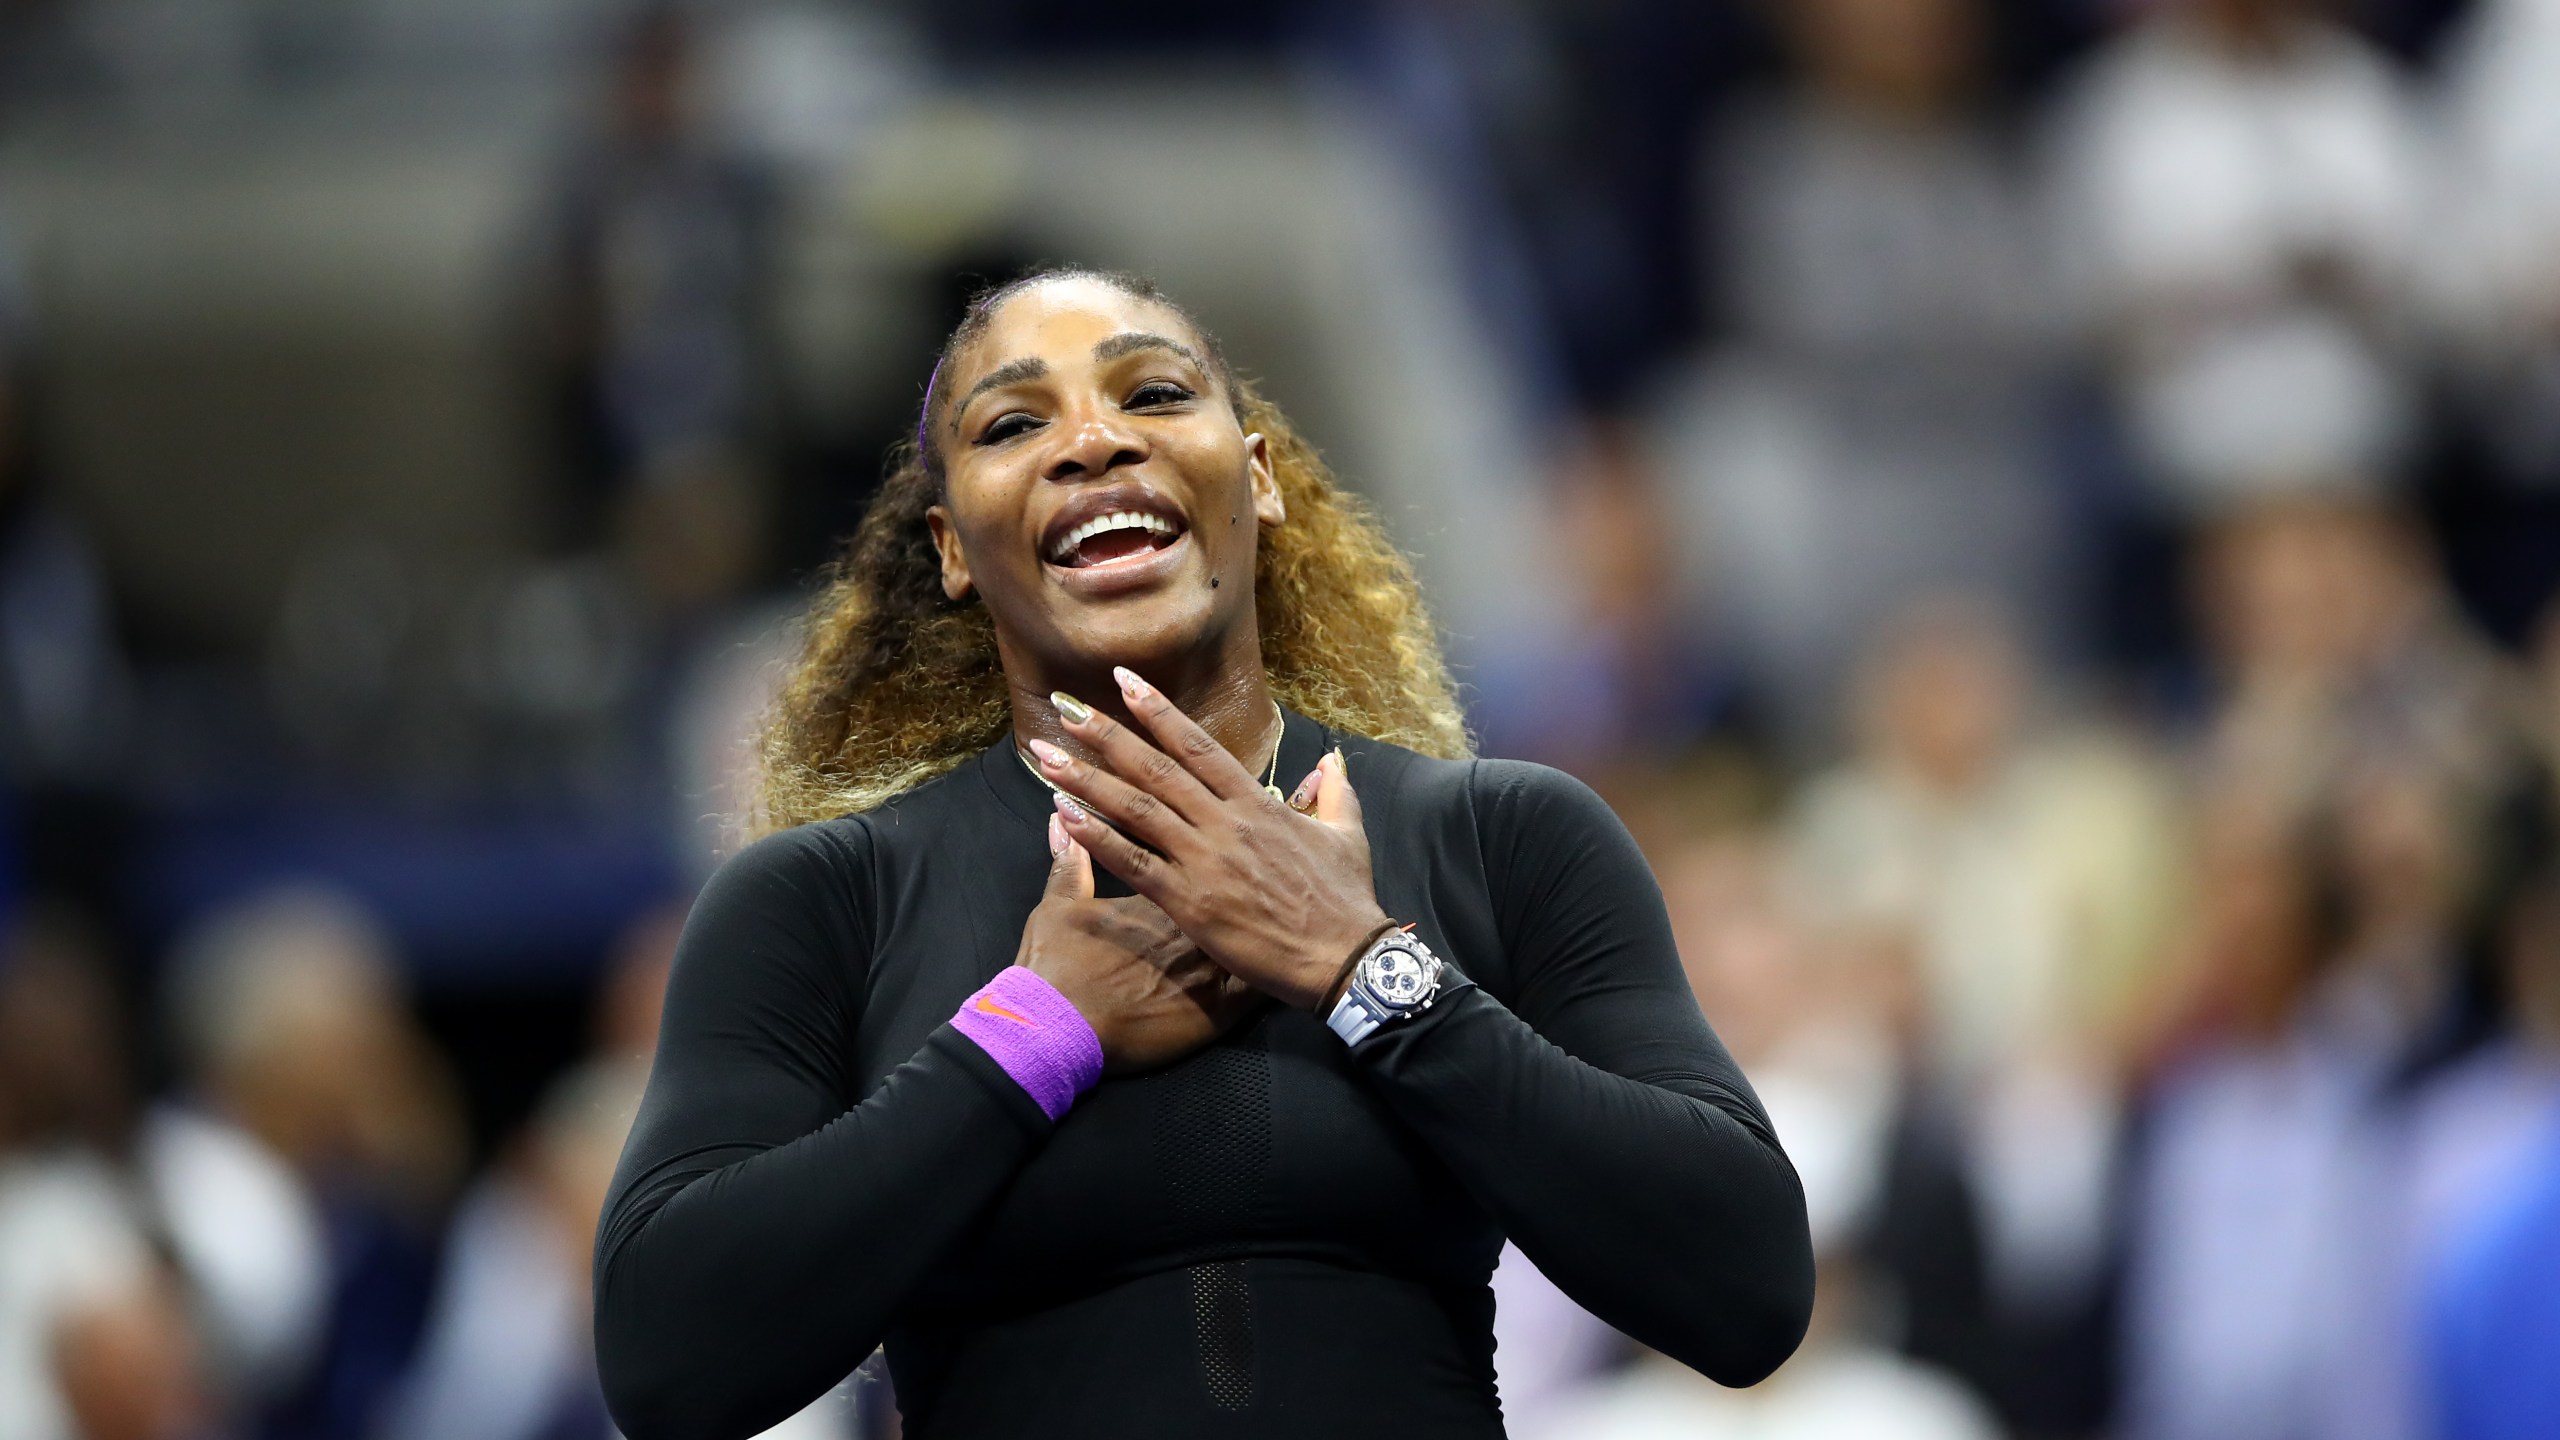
(1076, 711)
(1069, 810)
(1050, 755)
(1306, 792)
(1057, 838)
(1130, 684)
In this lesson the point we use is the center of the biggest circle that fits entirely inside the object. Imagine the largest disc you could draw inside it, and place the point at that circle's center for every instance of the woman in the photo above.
(1208, 1116)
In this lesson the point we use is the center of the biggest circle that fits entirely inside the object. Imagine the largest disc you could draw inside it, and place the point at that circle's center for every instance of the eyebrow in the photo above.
(1012, 372)
(1129, 342)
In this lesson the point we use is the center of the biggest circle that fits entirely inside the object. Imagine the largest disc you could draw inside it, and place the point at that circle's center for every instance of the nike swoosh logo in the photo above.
(987, 1005)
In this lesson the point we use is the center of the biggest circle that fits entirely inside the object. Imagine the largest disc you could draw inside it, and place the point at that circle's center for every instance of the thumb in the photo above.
(1070, 868)
(1337, 804)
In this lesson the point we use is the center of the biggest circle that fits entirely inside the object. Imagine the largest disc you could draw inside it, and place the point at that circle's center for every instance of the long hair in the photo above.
(896, 682)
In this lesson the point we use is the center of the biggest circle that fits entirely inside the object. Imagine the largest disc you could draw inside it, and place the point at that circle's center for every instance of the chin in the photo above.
(1139, 630)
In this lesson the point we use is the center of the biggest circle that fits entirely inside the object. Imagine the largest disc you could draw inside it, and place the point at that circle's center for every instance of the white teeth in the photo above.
(1117, 520)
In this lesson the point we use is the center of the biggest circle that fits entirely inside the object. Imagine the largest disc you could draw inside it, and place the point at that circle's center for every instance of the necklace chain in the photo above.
(1270, 776)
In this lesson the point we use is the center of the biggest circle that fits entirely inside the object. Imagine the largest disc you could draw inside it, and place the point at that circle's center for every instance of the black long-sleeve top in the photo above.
(1278, 1236)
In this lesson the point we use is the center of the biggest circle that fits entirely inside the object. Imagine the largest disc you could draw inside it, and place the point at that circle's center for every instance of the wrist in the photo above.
(1036, 1035)
(1348, 966)
(1392, 978)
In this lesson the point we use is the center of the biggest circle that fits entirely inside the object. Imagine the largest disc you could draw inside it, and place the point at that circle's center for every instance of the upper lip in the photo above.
(1108, 500)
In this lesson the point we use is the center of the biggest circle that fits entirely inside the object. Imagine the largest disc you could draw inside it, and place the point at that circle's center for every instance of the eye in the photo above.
(1007, 427)
(1156, 393)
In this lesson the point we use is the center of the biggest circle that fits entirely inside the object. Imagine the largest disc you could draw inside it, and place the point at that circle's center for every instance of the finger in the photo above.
(1134, 758)
(1142, 870)
(1181, 737)
(1337, 804)
(1135, 811)
(1303, 799)
(1070, 868)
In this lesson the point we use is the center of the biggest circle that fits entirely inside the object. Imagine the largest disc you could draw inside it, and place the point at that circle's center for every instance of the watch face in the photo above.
(1397, 976)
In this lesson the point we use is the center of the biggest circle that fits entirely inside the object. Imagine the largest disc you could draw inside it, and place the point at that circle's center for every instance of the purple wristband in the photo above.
(1036, 1034)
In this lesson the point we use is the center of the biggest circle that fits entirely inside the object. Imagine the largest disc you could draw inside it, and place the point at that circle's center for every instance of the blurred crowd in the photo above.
(2043, 516)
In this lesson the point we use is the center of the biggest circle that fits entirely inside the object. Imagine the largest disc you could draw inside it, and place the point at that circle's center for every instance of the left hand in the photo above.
(1278, 898)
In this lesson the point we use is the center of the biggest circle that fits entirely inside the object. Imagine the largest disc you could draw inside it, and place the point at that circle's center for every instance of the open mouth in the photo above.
(1116, 537)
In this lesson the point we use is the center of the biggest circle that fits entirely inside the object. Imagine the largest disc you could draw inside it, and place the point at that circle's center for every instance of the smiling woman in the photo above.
(1116, 1095)
(901, 680)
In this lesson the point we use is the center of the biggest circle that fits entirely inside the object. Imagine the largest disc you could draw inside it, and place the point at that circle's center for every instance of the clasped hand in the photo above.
(1273, 898)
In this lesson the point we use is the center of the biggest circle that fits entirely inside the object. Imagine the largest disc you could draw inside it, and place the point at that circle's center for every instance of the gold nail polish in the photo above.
(1076, 711)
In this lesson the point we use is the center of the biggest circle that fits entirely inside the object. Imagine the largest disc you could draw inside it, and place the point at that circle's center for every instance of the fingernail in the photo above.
(1335, 755)
(1076, 711)
(1069, 810)
(1130, 684)
(1306, 792)
(1057, 838)
(1050, 755)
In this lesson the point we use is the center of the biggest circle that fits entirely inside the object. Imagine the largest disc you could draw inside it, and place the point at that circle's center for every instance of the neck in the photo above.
(1225, 693)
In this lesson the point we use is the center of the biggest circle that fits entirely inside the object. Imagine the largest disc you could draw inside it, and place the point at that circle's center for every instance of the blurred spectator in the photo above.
(658, 249)
(1871, 428)
(70, 1236)
(2023, 871)
(2242, 1224)
(2496, 1316)
(293, 1026)
(2457, 1152)
(2497, 268)
(2011, 883)
(508, 1349)
(2265, 1241)
(2240, 211)
(128, 1367)
(1642, 678)
(2335, 644)
(196, 1188)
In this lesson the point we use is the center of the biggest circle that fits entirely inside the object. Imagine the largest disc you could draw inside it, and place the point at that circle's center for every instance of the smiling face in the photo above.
(1099, 494)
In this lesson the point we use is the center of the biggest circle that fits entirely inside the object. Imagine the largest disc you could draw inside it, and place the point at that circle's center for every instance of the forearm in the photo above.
(736, 1283)
(1655, 1203)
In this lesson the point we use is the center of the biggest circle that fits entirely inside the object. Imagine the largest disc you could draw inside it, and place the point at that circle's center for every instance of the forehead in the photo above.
(1060, 320)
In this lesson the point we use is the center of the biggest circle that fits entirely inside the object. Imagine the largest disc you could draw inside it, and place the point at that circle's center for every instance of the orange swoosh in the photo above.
(987, 1004)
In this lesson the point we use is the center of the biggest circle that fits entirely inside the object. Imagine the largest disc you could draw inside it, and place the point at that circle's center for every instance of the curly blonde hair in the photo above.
(897, 683)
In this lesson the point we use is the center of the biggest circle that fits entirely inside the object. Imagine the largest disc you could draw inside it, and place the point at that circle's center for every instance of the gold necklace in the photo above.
(1270, 776)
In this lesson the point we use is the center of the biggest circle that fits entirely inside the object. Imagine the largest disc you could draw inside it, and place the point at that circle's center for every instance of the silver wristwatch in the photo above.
(1398, 977)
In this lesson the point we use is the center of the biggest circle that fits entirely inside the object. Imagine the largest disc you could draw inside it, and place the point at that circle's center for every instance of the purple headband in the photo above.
(927, 417)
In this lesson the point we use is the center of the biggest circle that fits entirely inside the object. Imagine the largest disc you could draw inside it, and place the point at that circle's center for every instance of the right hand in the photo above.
(1147, 991)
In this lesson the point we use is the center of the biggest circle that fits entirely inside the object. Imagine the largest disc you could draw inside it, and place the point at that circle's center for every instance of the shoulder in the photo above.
(811, 881)
(855, 843)
(1503, 791)
(801, 855)
(1518, 813)
(1522, 804)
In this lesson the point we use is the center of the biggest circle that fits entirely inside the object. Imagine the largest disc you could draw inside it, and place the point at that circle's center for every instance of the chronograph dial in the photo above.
(1399, 977)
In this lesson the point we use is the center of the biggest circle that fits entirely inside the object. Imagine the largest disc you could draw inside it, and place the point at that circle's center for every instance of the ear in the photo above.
(955, 563)
(1268, 507)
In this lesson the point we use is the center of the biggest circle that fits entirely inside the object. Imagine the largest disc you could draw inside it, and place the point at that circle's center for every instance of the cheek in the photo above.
(986, 513)
(1225, 515)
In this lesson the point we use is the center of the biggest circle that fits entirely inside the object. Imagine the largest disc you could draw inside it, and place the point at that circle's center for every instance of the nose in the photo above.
(1093, 442)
